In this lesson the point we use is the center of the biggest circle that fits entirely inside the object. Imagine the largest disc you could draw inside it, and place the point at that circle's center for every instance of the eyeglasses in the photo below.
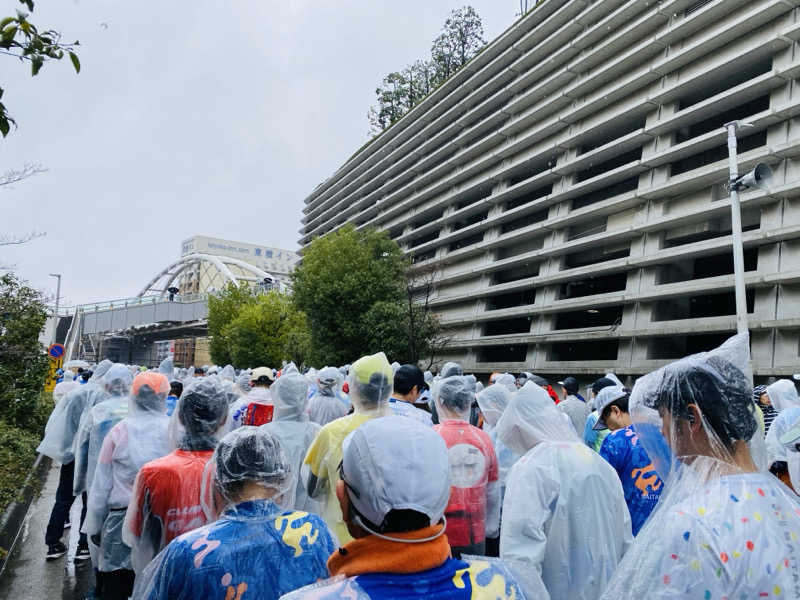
(347, 485)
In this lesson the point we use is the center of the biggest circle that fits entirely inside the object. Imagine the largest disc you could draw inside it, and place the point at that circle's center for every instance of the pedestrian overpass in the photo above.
(162, 310)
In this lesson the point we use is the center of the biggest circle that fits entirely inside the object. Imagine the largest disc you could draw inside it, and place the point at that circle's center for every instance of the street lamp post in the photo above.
(58, 297)
(759, 177)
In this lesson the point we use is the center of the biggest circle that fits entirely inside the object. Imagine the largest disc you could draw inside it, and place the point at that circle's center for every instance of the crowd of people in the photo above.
(379, 480)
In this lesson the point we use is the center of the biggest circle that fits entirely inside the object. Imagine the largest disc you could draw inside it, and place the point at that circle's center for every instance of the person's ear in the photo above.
(695, 418)
(344, 500)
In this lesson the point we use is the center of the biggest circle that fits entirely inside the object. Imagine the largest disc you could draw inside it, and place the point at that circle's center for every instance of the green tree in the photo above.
(23, 40)
(23, 363)
(341, 277)
(222, 309)
(461, 38)
(261, 333)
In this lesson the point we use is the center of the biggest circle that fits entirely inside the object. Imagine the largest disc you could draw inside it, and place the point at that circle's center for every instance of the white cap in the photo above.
(605, 397)
(396, 463)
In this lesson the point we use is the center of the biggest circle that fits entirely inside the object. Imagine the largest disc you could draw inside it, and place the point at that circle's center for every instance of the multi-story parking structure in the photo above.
(569, 185)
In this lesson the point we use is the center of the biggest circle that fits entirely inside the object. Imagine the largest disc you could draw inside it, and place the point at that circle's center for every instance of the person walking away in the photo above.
(408, 385)
(473, 512)
(564, 514)
(393, 491)
(175, 391)
(326, 405)
(255, 547)
(594, 437)
(295, 432)
(370, 382)
(139, 438)
(573, 405)
(256, 407)
(622, 450)
(58, 444)
(165, 501)
(722, 527)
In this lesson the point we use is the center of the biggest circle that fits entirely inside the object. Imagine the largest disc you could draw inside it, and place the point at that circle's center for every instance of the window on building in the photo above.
(507, 326)
(268, 253)
(600, 316)
(466, 241)
(615, 189)
(515, 273)
(702, 267)
(718, 153)
(503, 354)
(511, 299)
(529, 197)
(711, 228)
(423, 239)
(474, 196)
(610, 164)
(258, 251)
(593, 256)
(602, 284)
(583, 351)
(719, 80)
(616, 129)
(678, 346)
(700, 306)
(718, 121)
(471, 220)
(587, 228)
(524, 221)
(531, 169)
(523, 247)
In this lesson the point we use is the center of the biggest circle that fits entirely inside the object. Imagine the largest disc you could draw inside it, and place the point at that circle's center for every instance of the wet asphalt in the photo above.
(28, 575)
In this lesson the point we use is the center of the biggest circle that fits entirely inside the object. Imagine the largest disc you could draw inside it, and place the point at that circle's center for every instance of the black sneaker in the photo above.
(82, 553)
(67, 525)
(56, 550)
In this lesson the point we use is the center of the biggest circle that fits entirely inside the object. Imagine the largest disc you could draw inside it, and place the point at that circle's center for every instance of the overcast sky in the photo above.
(192, 118)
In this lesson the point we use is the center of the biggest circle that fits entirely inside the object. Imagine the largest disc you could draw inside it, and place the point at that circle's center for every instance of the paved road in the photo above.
(28, 575)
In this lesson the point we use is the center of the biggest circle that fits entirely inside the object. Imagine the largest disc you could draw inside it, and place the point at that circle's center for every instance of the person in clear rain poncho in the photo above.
(564, 514)
(166, 494)
(394, 487)
(370, 381)
(58, 444)
(473, 513)
(783, 397)
(722, 528)
(326, 404)
(256, 408)
(295, 432)
(255, 548)
(97, 421)
(139, 438)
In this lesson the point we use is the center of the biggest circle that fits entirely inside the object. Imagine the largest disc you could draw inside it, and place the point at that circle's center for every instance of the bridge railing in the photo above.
(136, 301)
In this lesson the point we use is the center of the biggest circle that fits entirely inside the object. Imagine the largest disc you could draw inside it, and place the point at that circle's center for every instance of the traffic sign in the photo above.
(56, 350)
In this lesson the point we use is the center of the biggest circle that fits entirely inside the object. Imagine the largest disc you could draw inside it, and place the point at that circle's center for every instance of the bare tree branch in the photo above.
(13, 176)
(13, 240)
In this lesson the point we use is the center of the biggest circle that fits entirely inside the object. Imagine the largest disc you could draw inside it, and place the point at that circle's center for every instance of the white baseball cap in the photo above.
(396, 463)
(605, 397)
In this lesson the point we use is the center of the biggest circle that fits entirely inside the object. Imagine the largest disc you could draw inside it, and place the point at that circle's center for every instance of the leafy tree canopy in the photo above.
(461, 38)
(341, 277)
(21, 39)
(23, 367)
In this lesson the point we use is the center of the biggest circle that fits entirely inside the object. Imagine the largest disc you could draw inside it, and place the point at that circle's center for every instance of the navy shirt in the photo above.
(640, 482)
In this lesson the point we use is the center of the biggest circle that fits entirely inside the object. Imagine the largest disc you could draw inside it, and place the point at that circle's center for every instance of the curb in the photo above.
(13, 519)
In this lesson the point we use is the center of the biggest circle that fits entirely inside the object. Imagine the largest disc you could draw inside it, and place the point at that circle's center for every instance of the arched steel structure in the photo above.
(214, 271)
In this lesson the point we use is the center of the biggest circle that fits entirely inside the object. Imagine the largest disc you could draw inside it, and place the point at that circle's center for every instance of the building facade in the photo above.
(278, 262)
(568, 187)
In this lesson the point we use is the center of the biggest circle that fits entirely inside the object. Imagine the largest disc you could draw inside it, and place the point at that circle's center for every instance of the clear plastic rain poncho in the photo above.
(493, 402)
(255, 548)
(295, 432)
(137, 439)
(167, 368)
(722, 528)
(228, 372)
(62, 426)
(776, 452)
(166, 494)
(507, 380)
(96, 422)
(243, 386)
(564, 514)
(370, 380)
(327, 404)
(473, 512)
(783, 394)
(62, 389)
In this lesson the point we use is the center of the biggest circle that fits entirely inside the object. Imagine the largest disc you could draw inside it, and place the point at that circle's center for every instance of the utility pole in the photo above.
(58, 297)
(759, 177)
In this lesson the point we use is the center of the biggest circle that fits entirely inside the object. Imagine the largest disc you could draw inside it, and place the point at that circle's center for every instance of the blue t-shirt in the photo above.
(172, 401)
(256, 548)
(640, 482)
